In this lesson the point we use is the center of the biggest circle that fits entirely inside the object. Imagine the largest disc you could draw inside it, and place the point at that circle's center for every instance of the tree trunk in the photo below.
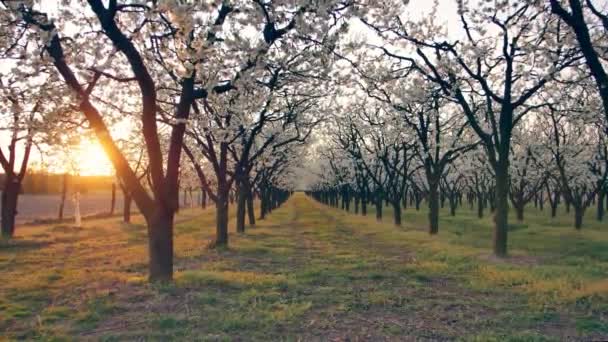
(113, 204)
(77, 216)
(126, 210)
(541, 201)
(519, 209)
(453, 201)
(347, 200)
(364, 204)
(479, 205)
(221, 219)
(64, 191)
(601, 197)
(241, 202)
(501, 218)
(10, 197)
(433, 208)
(378, 207)
(397, 212)
(191, 195)
(250, 212)
(264, 203)
(471, 200)
(160, 244)
(579, 212)
(204, 199)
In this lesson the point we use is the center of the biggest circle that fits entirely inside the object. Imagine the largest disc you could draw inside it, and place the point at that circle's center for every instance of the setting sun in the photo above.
(89, 159)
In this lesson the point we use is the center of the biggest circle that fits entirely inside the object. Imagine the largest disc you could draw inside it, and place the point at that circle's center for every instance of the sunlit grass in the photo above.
(310, 272)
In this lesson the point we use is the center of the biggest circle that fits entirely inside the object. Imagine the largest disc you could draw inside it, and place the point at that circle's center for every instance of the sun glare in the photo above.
(91, 160)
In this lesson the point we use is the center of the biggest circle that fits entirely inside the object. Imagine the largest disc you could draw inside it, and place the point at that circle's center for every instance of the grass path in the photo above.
(308, 272)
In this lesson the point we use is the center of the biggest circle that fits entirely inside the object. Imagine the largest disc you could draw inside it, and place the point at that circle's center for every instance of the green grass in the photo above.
(311, 272)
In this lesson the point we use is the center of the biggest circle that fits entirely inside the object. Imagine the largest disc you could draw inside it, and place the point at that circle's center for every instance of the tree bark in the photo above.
(113, 204)
(479, 205)
(601, 197)
(501, 223)
(264, 203)
(160, 244)
(221, 218)
(64, 191)
(241, 202)
(10, 196)
(453, 201)
(378, 207)
(397, 212)
(579, 212)
(126, 210)
(519, 209)
(204, 198)
(433, 208)
(364, 204)
(250, 212)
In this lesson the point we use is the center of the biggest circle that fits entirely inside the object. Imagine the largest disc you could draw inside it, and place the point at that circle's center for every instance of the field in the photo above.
(310, 272)
(34, 207)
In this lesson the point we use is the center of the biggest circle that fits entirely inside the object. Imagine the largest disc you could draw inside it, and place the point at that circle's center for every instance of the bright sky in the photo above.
(89, 159)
